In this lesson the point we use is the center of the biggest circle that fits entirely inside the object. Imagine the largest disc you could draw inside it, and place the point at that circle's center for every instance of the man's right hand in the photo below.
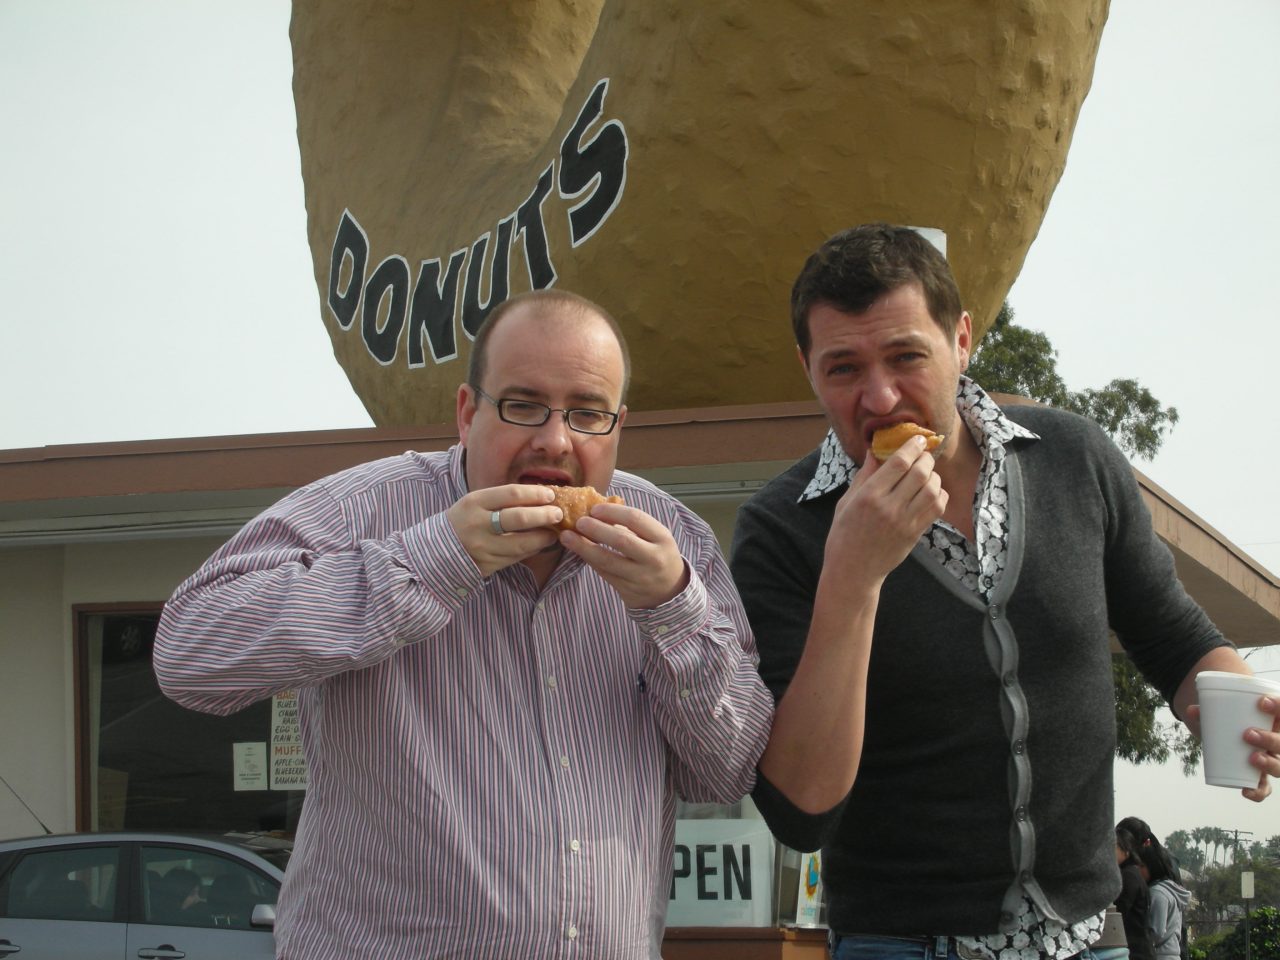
(885, 510)
(525, 513)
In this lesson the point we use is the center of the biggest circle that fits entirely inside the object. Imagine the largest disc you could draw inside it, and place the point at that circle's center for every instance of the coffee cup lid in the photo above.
(1224, 680)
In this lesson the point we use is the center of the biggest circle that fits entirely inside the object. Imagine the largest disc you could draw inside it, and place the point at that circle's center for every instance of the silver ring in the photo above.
(495, 521)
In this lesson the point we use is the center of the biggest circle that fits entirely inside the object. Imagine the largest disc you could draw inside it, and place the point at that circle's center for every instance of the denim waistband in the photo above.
(904, 947)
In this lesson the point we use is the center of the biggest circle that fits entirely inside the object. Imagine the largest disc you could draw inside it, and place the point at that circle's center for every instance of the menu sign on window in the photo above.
(288, 765)
(249, 766)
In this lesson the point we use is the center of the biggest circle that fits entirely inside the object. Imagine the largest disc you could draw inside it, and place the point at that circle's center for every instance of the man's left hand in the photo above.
(634, 553)
(1267, 755)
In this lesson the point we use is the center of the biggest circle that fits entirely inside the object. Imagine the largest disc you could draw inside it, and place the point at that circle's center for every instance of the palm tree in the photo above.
(1184, 849)
(1223, 840)
(1178, 842)
(1201, 836)
(1219, 840)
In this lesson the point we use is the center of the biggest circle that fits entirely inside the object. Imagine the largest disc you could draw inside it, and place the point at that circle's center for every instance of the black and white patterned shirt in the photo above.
(978, 566)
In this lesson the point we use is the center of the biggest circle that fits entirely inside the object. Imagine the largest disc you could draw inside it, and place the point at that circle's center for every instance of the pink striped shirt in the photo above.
(493, 770)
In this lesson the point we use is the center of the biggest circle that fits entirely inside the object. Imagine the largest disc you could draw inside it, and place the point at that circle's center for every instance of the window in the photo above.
(146, 763)
(195, 888)
(64, 884)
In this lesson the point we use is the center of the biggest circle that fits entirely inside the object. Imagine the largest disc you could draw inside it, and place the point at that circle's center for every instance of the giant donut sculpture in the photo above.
(674, 161)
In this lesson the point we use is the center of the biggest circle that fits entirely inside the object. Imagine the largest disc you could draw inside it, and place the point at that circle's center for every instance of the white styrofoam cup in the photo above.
(1228, 707)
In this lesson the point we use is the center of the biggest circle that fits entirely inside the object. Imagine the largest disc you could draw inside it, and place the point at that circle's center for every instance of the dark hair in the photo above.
(1127, 843)
(1137, 829)
(1157, 860)
(858, 266)
(545, 302)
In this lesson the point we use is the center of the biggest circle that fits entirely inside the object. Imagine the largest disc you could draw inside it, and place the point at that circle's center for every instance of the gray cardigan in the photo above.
(987, 762)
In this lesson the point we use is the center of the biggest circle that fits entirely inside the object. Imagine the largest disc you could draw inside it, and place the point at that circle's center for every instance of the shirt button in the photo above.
(539, 605)
(564, 761)
(663, 629)
(684, 694)
(551, 682)
(461, 592)
(575, 846)
(572, 932)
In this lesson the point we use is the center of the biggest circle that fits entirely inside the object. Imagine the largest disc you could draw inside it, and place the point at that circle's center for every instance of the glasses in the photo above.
(527, 413)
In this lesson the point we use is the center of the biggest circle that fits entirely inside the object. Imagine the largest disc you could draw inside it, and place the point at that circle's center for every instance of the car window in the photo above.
(77, 883)
(198, 888)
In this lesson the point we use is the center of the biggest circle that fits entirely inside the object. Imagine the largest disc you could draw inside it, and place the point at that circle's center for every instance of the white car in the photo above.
(157, 896)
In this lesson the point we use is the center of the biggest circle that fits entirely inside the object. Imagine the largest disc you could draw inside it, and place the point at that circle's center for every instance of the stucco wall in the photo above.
(35, 683)
(139, 571)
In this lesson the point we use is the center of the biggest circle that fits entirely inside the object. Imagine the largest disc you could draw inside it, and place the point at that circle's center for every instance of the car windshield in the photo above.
(274, 849)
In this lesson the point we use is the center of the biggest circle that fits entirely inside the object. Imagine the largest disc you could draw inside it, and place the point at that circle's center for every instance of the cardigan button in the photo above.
(995, 611)
(1019, 747)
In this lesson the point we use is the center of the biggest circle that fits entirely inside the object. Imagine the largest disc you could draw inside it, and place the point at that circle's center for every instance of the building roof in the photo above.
(211, 485)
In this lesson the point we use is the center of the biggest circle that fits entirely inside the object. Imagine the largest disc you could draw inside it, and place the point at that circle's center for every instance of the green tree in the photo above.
(1182, 845)
(1264, 939)
(1201, 836)
(1013, 359)
(1267, 852)
(1221, 841)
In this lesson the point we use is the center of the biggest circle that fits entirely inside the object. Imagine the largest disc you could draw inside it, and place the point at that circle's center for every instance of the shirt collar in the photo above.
(458, 468)
(988, 425)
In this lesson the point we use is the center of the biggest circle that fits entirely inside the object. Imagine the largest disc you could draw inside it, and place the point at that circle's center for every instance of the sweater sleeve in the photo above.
(776, 561)
(792, 826)
(1162, 629)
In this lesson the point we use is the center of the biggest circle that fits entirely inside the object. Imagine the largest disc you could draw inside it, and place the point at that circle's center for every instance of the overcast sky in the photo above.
(155, 264)
(1151, 264)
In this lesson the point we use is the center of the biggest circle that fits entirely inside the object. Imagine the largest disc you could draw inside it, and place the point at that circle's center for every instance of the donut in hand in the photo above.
(576, 502)
(888, 439)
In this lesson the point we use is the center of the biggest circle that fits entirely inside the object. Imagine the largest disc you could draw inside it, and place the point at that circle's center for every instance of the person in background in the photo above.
(497, 716)
(1167, 915)
(937, 629)
(1134, 901)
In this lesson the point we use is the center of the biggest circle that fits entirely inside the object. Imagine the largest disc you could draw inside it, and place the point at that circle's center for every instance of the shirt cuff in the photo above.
(437, 560)
(669, 624)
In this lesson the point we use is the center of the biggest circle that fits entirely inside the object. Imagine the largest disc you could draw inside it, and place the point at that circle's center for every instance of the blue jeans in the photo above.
(861, 946)
(865, 946)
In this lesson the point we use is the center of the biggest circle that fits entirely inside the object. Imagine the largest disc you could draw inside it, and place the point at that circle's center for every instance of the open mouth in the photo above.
(549, 478)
